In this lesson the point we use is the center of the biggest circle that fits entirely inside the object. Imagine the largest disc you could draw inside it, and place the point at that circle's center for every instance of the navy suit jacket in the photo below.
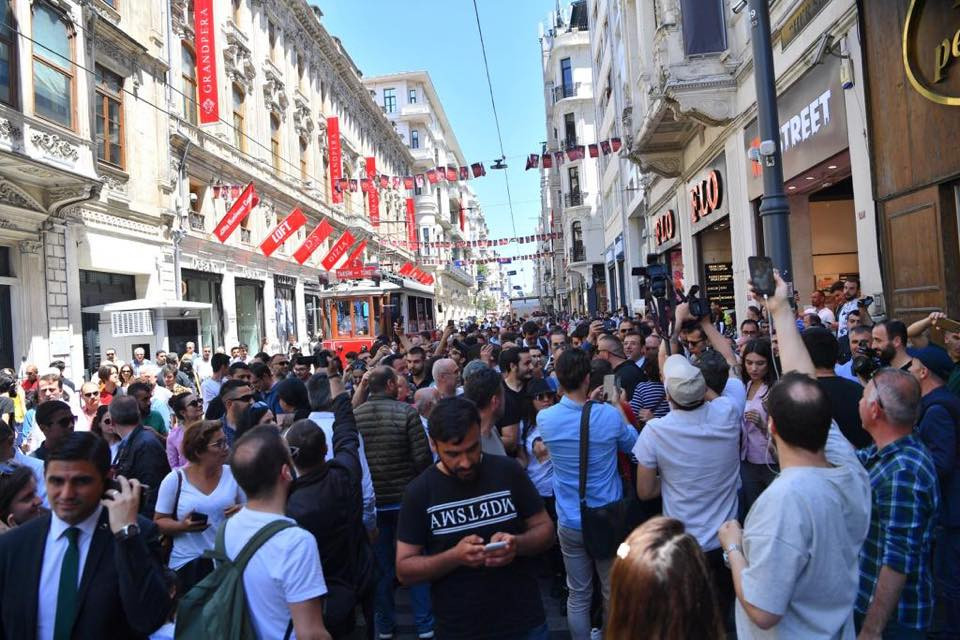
(122, 592)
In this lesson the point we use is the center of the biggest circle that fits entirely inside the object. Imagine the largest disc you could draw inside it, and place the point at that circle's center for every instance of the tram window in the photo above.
(361, 312)
(344, 321)
(377, 316)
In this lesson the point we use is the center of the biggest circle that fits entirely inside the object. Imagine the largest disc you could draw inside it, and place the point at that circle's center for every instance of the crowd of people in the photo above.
(792, 477)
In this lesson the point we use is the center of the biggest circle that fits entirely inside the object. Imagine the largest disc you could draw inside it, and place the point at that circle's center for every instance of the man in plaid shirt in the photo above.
(895, 598)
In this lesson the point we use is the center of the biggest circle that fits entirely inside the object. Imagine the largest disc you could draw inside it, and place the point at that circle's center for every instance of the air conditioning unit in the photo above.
(131, 323)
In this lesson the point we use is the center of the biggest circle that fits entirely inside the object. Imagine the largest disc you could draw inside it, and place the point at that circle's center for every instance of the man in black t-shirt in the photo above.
(516, 367)
(452, 512)
(844, 395)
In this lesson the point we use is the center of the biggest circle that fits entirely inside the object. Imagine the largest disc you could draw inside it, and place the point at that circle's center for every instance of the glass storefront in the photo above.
(250, 316)
(314, 319)
(206, 287)
(98, 288)
(285, 299)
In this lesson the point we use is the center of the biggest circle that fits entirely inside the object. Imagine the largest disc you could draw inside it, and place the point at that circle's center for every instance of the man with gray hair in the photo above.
(139, 359)
(628, 374)
(425, 400)
(445, 372)
(321, 408)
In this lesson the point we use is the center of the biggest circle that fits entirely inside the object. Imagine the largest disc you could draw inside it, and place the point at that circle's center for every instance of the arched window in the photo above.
(188, 71)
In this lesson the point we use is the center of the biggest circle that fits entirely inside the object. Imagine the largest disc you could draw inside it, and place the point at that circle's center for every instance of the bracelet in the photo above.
(730, 549)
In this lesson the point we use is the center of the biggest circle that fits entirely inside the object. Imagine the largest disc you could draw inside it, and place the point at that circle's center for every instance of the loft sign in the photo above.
(706, 196)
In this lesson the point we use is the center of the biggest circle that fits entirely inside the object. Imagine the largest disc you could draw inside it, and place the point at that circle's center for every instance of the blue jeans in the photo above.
(385, 551)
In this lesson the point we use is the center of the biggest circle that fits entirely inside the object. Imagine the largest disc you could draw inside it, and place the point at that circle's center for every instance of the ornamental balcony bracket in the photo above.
(237, 57)
(274, 91)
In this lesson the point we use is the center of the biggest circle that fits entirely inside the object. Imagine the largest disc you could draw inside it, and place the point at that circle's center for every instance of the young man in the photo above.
(56, 422)
(284, 574)
(143, 394)
(140, 456)
(890, 339)
(417, 372)
(795, 563)
(451, 512)
(89, 569)
(210, 387)
(851, 302)
(627, 373)
(237, 396)
(484, 388)
(517, 371)
(842, 394)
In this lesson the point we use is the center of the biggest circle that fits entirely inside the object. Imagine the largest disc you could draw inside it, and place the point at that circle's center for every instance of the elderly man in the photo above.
(445, 372)
(139, 360)
(425, 400)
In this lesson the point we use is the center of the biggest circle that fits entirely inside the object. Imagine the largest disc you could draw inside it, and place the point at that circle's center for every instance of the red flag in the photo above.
(318, 235)
(615, 144)
(411, 226)
(594, 150)
(241, 208)
(547, 160)
(372, 195)
(408, 183)
(464, 173)
(336, 159)
(355, 259)
(477, 169)
(282, 231)
(364, 185)
(451, 174)
(605, 147)
(336, 252)
(206, 49)
(533, 162)
(406, 269)
(463, 219)
(432, 176)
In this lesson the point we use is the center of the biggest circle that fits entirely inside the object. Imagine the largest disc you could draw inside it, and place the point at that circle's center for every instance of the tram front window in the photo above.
(361, 312)
(344, 322)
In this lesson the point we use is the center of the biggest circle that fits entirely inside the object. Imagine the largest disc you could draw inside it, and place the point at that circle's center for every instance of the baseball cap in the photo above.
(935, 359)
(684, 382)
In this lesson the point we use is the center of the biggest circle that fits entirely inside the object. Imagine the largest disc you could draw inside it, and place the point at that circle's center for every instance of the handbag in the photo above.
(604, 527)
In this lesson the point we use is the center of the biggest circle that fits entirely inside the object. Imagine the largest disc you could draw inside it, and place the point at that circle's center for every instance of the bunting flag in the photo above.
(408, 183)
(283, 231)
(240, 209)
(533, 161)
(419, 180)
(464, 173)
(594, 151)
(451, 174)
(364, 185)
(441, 262)
(558, 158)
(432, 176)
(464, 244)
(547, 161)
(615, 144)
(478, 170)
(314, 239)
(605, 147)
(384, 182)
(343, 184)
(396, 182)
(337, 251)
(353, 186)
(335, 156)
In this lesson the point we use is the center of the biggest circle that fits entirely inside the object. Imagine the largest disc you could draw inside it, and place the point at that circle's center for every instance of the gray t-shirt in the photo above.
(801, 540)
(491, 443)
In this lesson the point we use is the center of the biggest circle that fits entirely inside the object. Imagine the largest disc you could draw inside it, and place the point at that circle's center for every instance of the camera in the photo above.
(657, 275)
(699, 305)
(866, 361)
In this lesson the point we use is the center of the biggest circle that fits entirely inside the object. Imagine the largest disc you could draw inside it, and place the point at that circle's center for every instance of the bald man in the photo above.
(445, 372)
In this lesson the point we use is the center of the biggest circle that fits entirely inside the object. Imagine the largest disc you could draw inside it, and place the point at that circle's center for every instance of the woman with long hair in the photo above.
(253, 416)
(186, 408)
(126, 377)
(102, 425)
(649, 399)
(661, 587)
(758, 463)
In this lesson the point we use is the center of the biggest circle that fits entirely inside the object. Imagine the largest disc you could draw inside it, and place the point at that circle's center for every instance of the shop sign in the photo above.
(813, 125)
(288, 282)
(799, 19)
(706, 195)
(931, 49)
(609, 253)
(718, 283)
(206, 50)
(357, 273)
(665, 227)
(283, 231)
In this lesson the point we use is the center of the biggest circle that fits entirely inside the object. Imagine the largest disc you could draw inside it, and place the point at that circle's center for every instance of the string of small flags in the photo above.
(464, 244)
(573, 153)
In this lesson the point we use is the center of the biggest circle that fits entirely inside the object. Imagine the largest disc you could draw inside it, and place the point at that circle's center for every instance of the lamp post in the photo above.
(774, 206)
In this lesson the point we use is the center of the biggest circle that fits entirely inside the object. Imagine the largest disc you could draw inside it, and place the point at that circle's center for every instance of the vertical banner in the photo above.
(372, 194)
(240, 209)
(354, 260)
(318, 235)
(463, 220)
(339, 248)
(206, 49)
(411, 226)
(336, 159)
(282, 231)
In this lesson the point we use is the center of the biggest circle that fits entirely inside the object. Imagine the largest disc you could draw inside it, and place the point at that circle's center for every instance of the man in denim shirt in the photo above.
(609, 433)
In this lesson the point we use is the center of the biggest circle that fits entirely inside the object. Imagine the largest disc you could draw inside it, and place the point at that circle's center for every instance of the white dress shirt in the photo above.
(53, 552)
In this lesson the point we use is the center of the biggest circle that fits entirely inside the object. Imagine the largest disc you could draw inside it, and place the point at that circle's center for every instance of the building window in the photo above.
(188, 69)
(239, 133)
(109, 107)
(8, 59)
(275, 141)
(302, 73)
(52, 67)
(237, 6)
(414, 139)
(412, 96)
(272, 40)
(569, 130)
(576, 241)
(304, 169)
(389, 100)
(566, 77)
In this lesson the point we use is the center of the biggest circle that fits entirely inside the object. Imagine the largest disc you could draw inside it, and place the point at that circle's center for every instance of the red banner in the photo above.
(356, 256)
(282, 231)
(241, 208)
(206, 50)
(411, 226)
(339, 248)
(373, 194)
(463, 219)
(406, 269)
(318, 235)
(336, 159)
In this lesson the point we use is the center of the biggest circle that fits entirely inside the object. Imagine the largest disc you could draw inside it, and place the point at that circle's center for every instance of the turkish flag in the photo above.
(337, 251)
(282, 231)
(241, 208)
(318, 235)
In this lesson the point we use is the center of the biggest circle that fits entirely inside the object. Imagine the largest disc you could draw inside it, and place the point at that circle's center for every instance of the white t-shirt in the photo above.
(826, 317)
(802, 541)
(285, 570)
(698, 455)
(209, 389)
(188, 546)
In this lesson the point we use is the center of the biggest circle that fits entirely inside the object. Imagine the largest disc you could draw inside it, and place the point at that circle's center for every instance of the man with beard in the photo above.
(517, 370)
(890, 340)
(852, 301)
(474, 568)
(301, 368)
(417, 372)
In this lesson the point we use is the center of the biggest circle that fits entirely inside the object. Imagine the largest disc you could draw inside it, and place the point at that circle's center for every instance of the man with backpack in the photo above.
(263, 559)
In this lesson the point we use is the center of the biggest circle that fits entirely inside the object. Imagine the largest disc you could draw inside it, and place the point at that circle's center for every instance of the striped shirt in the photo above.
(651, 396)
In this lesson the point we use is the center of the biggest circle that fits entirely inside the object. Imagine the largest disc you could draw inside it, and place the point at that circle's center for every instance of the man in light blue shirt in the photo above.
(609, 433)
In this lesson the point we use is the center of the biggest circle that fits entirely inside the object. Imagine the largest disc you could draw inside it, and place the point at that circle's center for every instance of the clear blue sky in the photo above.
(441, 37)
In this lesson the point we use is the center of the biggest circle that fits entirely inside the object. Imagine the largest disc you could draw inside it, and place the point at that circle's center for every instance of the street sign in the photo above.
(356, 273)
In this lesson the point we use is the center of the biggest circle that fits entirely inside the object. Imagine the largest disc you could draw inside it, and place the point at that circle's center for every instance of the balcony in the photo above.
(565, 91)
(410, 110)
(422, 155)
(461, 276)
(575, 199)
(578, 253)
(198, 222)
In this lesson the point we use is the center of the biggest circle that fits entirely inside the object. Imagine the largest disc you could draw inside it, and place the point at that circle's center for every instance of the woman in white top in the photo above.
(194, 500)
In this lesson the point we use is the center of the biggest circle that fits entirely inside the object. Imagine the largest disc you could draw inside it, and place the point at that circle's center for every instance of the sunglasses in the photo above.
(219, 444)
(244, 398)
(92, 394)
(195, 403)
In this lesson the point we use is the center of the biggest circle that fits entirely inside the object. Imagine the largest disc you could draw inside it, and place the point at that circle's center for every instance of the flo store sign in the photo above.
(707, 195)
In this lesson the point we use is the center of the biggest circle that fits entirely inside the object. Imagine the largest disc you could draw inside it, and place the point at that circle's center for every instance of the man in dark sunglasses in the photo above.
(56, 422)
(237, 396)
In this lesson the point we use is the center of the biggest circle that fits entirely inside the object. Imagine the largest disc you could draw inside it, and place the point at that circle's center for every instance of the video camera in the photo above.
(657, 275)
(699, 306)
(866, 362)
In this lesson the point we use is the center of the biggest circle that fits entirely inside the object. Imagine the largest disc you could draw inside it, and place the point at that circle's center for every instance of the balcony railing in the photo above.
(574, 198)
(570, 142)
(565, 91)
(197, 221)
(578, 253)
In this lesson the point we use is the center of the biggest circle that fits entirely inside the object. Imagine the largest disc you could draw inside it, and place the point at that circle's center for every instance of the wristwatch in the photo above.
(730, 549)
(127, 531)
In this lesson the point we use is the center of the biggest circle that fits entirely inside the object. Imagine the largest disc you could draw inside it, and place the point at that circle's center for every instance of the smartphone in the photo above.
(610, 392)
(946, 324)
(761, 274)
(495, 546)
(196, 516)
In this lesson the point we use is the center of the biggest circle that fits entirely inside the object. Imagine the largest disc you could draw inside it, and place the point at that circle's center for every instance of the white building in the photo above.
(411, 102)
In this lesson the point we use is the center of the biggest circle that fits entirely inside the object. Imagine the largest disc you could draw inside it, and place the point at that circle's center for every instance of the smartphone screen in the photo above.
(610, 388)
(761, 274)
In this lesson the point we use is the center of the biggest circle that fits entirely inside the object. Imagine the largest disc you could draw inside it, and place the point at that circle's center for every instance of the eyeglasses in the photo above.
(244, 398)
(219, 444)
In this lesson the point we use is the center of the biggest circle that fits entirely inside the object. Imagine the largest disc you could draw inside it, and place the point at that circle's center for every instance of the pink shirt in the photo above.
(174, 448)
(753, 443)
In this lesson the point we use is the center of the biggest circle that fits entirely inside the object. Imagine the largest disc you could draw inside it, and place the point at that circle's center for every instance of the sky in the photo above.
(390, 36)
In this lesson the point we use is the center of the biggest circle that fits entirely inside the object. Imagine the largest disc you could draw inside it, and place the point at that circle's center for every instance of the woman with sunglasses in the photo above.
(186, 408)
(194, 500)
(102, 426)
(126, 377)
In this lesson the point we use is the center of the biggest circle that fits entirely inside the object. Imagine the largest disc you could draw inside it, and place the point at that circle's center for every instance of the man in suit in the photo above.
(89, 569)
(141, 454)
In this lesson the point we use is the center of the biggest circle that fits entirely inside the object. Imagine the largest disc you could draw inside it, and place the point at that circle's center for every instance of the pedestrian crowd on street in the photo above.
(793, 476)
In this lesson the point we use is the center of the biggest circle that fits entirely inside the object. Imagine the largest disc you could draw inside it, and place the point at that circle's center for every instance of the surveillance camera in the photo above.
(193, 197)
(823, 48)
(740, 6)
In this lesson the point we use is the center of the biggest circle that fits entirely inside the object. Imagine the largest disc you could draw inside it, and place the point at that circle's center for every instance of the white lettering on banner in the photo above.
(473, 513)
(807, 123)
(280, 231)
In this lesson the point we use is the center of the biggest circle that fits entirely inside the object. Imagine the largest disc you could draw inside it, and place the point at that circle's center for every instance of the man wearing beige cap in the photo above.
(696, 449)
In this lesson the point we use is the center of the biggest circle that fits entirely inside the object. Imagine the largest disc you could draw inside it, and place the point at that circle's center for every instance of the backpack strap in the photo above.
(584, 448)
(176, 500)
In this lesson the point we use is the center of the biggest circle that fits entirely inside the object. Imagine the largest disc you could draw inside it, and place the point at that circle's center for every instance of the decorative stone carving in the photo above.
(274, 91)
(237, 58)
(178, 16)
(10, 131)
(54, 145)
(115, 183)
(14, 196)
(115, 222)
(302, 120)
(32, 247)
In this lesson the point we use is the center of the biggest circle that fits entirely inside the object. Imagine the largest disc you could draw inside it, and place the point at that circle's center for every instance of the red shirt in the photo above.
(105, 397)
(29, 386)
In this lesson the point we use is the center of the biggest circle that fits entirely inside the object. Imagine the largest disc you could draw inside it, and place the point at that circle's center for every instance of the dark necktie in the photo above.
(67, 592)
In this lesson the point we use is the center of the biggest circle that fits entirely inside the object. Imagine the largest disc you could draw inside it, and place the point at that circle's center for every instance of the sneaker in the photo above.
(426, 635)
(596, 634)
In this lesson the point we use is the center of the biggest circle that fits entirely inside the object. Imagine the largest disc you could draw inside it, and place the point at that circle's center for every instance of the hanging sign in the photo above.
(411, 226)
(282, 231)
(336, 159)
(317, 236)
(355, 257)
(357, 273)
(337, 251)
(372, 194)
(206, 51)
(240, 209)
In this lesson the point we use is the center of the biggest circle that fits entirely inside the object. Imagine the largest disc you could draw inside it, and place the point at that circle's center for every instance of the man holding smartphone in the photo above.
(472, 526)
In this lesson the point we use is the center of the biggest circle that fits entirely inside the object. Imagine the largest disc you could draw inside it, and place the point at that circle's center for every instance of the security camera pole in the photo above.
(774, 206)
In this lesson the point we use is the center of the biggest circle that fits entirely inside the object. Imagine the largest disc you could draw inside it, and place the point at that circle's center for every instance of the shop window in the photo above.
(250, 316)
(188, 71)
(53, 71)
(286, 308)
(109, 109)
(8, 59)
(200, 286)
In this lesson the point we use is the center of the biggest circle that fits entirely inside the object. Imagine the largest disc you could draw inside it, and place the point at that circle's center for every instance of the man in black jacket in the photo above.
(326, 500)
(120, 593)
(141, 454)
